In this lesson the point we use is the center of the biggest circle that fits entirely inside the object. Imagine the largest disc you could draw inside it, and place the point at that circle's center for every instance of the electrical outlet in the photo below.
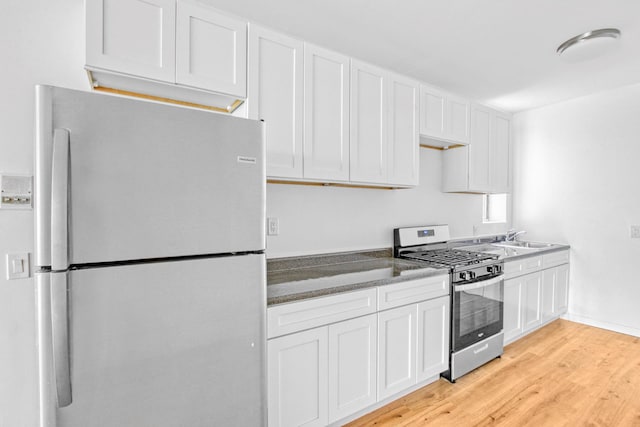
(634, 231)
(273, 227)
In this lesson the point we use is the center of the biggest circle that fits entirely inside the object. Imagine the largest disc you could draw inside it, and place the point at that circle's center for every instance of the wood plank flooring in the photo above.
(564, 374)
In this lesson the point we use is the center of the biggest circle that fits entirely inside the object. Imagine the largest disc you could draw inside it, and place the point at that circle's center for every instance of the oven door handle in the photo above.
(479, 284)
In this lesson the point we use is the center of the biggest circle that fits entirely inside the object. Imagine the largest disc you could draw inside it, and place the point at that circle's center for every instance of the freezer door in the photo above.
(145, 180)
(162, 344)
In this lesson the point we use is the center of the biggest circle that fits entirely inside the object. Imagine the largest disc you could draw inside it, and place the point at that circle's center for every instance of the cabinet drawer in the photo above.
(555, 258)
(522, 266)
(297, 316)
(412, 291)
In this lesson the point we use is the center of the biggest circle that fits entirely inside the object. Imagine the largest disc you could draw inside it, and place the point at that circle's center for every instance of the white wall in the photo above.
(327, 219)
(576, 181)
(42, 42)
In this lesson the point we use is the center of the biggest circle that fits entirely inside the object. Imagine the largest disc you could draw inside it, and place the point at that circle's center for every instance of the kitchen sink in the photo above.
(529, 245)
(504, 250)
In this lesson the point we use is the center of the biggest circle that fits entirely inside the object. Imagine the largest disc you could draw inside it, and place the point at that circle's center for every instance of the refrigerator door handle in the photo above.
(60, 338)
(59, 200)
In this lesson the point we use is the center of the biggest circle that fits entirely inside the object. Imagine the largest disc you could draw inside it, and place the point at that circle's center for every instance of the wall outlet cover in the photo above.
(273, 226)
(18, 266)
(634, 231)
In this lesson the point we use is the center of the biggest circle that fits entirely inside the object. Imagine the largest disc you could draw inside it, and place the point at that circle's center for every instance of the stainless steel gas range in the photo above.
(477, 291)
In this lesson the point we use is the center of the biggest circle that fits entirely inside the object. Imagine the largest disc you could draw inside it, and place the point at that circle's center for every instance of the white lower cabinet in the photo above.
(413, 344)
(352, 366)
(532, 285)
(323, 373)
(555, 291)
(297, 379)
(433, 338)
(561, 290)
(535, 293)
(522, 308)
(512, 309)
(397, 340)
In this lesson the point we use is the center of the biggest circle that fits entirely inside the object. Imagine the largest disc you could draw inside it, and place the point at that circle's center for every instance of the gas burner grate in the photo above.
(450, 257)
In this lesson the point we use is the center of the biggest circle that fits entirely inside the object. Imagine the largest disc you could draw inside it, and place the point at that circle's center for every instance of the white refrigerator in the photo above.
(150, 265)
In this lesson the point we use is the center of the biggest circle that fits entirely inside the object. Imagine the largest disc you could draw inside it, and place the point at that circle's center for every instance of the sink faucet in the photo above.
(512, 234)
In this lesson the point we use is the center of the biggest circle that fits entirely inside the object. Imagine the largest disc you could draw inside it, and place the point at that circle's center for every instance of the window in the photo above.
(494, 208)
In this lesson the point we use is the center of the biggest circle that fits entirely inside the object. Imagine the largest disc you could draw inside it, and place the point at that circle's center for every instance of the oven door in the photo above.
(477, 311)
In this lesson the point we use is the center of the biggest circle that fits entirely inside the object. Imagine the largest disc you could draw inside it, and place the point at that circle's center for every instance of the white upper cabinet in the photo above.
(499, 154)
(135, 37)
(211, 49)
(403, 143)
(275, 95)
(368, 124)
(166, 49)
(384, 144)
(480, 151)
(432, 106)
(483, 165)
(326, 114)
(444, 118)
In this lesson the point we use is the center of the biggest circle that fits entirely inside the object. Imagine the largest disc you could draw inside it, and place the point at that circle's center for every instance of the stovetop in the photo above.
(451, 258)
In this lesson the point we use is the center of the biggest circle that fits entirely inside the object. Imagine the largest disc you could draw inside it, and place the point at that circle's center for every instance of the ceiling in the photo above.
(498, 52)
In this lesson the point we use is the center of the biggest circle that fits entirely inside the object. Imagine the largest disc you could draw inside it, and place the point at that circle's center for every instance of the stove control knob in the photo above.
(463, 275)
(472, 275)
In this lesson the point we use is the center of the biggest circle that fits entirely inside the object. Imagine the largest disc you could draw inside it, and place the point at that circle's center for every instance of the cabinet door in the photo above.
(433, 338)
(513, 309)
(403, 142)
(397, 351)
(326, 114)
(211, 49)
(479, 149)
(532, 286)
(432, 112)
(368, 124)
(547, 305)
(561, 300)
(352, 366)
(135, 37)
(297, 379)
(499, 154)
(457, 120)
(275, 90)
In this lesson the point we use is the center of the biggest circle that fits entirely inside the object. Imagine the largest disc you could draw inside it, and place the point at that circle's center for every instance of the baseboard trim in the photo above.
(615, 327)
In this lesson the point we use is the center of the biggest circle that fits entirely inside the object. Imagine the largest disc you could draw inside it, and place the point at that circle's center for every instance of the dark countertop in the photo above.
(298, 278)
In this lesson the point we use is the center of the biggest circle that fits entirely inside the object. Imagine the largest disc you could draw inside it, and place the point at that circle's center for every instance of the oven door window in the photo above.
(477, 314)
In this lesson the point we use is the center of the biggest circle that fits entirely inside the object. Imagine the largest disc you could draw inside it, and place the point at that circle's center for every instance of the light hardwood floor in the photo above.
(564, 374)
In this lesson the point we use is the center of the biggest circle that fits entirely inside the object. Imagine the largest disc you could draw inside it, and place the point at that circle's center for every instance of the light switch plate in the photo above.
(18, 266)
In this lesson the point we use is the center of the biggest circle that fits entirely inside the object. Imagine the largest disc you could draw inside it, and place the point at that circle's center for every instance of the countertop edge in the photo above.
(555, 248)
(354, 287)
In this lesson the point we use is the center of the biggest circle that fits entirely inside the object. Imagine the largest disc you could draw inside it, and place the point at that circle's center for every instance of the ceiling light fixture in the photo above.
(589, 45)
